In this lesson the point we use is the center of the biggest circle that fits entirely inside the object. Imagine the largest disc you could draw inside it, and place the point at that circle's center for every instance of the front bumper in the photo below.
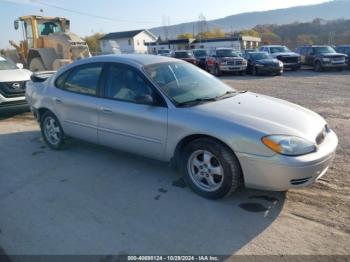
(280, 173)
(270, 70)
(331, 65)
(14, 102)
(292, 65)
(233, 68)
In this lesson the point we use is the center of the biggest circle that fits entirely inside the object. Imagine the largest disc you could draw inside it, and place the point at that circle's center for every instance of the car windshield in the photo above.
(279, 49)
(226, 53)
(200, 53)
(183, 54)
(259, 56)
(324, 50)
(6, 64)
(184, 83)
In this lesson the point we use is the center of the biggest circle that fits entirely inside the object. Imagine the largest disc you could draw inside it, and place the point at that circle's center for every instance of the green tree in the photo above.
(93, 42)
(185, 36)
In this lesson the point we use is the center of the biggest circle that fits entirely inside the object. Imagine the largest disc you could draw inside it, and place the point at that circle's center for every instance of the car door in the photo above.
(127, 122)
(309, 58)
(75, 103)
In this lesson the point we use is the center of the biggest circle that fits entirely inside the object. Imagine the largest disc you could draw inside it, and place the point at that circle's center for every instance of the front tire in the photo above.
(52, 131)
(210, 168)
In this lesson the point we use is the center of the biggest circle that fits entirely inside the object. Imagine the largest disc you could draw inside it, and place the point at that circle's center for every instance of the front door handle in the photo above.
(57, 100)
(106, 110)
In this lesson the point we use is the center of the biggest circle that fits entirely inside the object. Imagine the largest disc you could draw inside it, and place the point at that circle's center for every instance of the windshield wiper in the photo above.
(226, 95)
(197, 101)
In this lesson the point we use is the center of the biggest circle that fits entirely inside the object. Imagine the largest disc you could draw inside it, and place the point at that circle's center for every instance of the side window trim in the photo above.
(159, 96)
(75, 69)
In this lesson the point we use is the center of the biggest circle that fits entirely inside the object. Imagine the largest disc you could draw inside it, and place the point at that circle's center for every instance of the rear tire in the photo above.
(210, 168)
(36, 65)
(52, 131)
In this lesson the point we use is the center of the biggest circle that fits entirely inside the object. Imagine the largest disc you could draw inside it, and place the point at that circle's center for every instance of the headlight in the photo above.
(289, 145)
(223, 63)
(326, 59)
(280, 63)
(244, 62)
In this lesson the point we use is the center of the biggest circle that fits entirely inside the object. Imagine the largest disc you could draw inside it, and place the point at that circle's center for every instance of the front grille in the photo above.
(297, 182)
(288, 59)
(235, 62)
(12, 89)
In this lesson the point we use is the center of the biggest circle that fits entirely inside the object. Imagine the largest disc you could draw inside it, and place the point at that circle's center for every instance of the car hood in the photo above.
(333, 55)
(15, 75)
(265, 114)
(285, 54)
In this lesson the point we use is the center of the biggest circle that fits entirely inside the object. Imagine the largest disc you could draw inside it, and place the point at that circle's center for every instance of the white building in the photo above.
(237, 43)
(126, 42)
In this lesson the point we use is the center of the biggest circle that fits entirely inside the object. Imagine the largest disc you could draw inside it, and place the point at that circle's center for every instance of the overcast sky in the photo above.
(130, 14)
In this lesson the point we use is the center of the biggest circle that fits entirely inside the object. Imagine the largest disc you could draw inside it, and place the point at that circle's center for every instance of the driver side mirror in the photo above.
(16, 24)
(145, 100)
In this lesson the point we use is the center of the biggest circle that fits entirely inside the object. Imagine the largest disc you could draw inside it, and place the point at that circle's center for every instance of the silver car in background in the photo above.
(170, 110)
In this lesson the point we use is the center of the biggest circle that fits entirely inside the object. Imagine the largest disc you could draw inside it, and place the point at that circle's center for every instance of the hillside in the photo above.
(330, 10)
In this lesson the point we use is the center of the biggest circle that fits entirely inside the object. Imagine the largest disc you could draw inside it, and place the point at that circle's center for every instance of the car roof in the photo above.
(139, 59)
(135, 60)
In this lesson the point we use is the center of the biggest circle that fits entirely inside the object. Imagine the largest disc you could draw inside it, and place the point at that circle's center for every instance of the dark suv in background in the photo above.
(344, 49)
(201, 56)
(225, 60)
(322, 57)
(186, 55)
(291, 60)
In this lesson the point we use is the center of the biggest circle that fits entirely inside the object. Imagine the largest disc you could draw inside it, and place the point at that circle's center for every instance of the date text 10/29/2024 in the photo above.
(174, 258)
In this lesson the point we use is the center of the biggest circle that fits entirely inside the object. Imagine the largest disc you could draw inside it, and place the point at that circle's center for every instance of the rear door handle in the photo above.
(106, 110)
(57, 100)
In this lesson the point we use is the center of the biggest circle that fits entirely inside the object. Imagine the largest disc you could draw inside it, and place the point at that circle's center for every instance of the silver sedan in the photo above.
(170, 110)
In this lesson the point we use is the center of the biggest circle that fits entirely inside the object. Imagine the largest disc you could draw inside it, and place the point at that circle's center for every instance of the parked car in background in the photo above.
(225, 60)
(246, 51)
(170, 110)
(322, 57)
(165, 52)
(262, 63)
(201, 56)
(13, 80)
(186, 55)
(344, 49)
(291, 60)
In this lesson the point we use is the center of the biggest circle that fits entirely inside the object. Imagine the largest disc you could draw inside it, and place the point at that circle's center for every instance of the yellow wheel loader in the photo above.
(48, 44)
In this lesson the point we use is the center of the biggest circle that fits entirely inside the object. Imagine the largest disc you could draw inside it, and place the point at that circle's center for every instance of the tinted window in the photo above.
(123, 83)
(84, 79)
(279, 49)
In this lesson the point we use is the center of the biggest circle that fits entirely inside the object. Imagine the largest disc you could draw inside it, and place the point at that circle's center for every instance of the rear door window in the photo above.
(83, 79)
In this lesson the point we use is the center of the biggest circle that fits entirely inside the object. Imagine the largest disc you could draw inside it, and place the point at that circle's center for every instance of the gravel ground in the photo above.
(75, 202)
